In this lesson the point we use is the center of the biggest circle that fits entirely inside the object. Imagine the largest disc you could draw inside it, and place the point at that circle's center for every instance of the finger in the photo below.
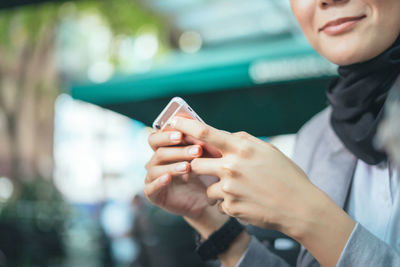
(223, 206)
(220, 208)
(171, 169)
(206, 166)
(186, 177)
(159, 139)
(153, 188)
(212, 202)
(203, 132)
(214, 192)
(209, 151)
(165, 155)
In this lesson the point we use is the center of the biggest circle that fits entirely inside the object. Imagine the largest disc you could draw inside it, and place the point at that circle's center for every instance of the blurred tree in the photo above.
(29, 80)
(29, 84)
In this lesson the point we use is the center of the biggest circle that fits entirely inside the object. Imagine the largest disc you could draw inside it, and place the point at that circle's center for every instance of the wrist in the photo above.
(320, 212)
(324, 229)
(212, 220)
(208, 222)
(308, 212)
(236, 250)
(219, 241)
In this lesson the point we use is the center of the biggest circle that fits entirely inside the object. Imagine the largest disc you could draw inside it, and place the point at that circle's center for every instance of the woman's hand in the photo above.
(167, 182)
(258, 183)
(263, 187)
(171, 185)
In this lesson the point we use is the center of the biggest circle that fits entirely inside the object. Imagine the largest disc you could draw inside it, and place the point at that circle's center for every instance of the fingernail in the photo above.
(182, 167)
(173, 122)
(164, 178)
(194, 150)
(175, 136)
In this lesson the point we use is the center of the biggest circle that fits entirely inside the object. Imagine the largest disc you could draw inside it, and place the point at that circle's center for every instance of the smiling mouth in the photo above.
(341, 25)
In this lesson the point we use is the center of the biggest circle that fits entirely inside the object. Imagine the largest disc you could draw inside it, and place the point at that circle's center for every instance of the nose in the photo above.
(327, 3)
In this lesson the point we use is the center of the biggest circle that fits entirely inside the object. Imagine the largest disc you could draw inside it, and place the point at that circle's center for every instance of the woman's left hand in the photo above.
(258, 183)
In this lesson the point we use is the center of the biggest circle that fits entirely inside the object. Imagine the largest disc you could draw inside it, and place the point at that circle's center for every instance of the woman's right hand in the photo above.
(169, 182)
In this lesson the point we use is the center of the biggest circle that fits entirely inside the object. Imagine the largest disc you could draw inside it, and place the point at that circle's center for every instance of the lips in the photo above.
(340, 25)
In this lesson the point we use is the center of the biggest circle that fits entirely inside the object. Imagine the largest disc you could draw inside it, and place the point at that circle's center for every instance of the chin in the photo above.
(344, 59)
(350, 50)
(343, 54)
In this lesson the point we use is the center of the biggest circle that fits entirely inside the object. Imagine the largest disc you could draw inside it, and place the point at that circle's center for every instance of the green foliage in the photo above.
(26, 23)
(123, 16)
(36, 19)
(5, 23)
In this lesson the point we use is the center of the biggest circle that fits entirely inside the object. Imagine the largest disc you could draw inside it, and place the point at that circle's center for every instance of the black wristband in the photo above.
(219, 241)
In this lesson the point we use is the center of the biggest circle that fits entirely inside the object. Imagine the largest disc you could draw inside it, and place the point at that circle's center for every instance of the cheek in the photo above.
(304, 11)
(367, 41)
(386, 14)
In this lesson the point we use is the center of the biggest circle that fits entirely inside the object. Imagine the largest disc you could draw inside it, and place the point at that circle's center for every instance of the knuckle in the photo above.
(146, 192)
(159, 155)
(152, 173)
(245, 150)
(241, 135)
(230, 207)
(221, 209)
(226, 205)
(230, 169)
(150, 139)
(203, 132)
(227, 187)
(150, 164)
(147, 165)
(149, 177)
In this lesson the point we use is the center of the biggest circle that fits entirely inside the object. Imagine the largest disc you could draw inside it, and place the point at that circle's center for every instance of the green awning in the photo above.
(254, 87)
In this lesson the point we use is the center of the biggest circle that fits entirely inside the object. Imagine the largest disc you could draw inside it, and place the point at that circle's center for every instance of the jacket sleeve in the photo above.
(365, 249)
(258, 255)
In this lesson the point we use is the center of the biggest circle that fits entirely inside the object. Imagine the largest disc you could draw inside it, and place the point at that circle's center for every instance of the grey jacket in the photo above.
(330, 166)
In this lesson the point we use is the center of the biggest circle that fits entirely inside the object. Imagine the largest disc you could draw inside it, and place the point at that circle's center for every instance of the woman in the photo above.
(339, 200)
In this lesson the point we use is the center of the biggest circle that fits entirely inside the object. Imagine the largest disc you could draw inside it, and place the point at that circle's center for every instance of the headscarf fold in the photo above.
(357, 98)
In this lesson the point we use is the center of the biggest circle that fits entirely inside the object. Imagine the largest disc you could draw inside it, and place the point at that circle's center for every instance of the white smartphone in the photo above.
(178, 107)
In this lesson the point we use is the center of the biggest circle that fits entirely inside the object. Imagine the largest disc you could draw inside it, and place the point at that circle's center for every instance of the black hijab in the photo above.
(357, 98)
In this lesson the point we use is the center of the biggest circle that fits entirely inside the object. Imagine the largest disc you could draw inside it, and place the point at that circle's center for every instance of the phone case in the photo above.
(176, 107)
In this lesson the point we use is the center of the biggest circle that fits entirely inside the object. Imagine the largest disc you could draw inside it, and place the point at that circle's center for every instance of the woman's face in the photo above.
(349, 31)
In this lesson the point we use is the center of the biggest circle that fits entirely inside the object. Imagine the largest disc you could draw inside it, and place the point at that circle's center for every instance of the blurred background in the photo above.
(81, 81)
